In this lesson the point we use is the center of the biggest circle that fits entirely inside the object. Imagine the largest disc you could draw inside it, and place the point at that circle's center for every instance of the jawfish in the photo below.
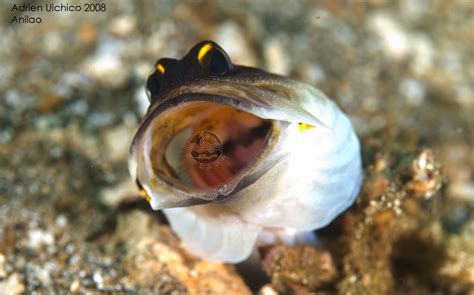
(230, 151)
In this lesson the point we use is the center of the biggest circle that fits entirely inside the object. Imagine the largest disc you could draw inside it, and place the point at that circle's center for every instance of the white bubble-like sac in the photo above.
(319, 179)
(243, 158)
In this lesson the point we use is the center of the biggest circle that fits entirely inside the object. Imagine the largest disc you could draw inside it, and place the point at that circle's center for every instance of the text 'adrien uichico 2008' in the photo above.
(28, 13)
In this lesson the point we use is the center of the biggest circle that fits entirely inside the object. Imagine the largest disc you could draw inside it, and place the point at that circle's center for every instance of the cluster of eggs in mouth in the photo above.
(229, 151)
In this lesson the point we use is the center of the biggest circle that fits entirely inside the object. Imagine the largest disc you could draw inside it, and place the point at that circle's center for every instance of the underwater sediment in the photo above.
(73, 96)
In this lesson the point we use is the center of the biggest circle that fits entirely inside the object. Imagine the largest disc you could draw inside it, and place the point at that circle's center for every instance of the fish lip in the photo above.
(183, 98)
(243, 183)
(183, 203)
(191, 97)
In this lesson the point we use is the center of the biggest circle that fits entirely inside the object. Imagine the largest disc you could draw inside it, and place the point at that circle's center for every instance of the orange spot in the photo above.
(160, 69)
(304, 127)
(145, 195)
(142, 191)
(203, 51)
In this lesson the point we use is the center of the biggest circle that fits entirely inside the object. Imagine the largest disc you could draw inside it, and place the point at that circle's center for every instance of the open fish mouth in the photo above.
(203, 147)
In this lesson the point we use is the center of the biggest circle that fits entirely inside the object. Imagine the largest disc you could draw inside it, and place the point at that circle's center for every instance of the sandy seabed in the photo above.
(73, 95)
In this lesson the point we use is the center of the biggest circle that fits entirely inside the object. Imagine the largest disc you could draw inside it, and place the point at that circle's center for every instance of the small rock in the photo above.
(12, 285)
(423, 52)
(117, 141)
(75, 286)
(123, 25)
(267, 290)
(99, 280)
(61, 220)
(106, 65)
(394, 38)
(298, 268)
(413, 90)
(425, 175)
(275, 57)
(38, 238)
(156, 261)
(399, 43)
(114, 195)
(3, 272)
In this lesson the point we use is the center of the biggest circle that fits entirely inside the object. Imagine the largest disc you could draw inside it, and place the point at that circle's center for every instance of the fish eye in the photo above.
(218, 63)
(214, 59)
(154, 81)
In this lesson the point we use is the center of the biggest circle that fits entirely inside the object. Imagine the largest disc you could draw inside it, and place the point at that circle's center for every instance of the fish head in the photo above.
(214, 128)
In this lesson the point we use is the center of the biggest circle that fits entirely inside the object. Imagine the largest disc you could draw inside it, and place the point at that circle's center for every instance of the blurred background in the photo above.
(72, 96)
